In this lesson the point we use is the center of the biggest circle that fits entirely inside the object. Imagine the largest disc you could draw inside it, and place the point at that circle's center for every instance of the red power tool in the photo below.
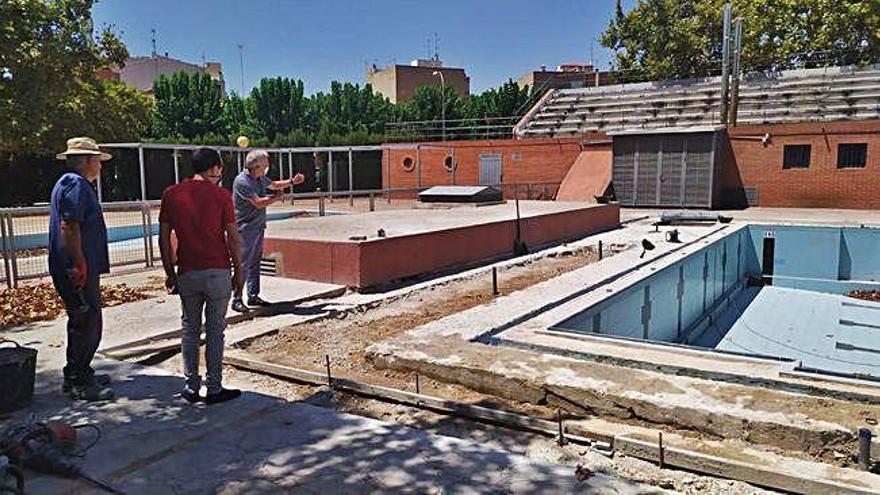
(47, 448)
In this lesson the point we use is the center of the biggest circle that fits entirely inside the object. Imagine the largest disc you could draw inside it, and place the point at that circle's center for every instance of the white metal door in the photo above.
(490, 169)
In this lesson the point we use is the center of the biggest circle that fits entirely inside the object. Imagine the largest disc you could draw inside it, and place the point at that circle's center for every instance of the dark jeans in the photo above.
(84, 328)
(251, 254)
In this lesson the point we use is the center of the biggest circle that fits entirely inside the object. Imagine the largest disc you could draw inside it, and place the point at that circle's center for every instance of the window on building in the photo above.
(408, 164)
(852, 155)
(796, 156)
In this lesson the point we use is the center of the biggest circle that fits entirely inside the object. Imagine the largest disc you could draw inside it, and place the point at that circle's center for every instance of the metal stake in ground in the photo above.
(495, 281)
(418, 391)
(660, 449)
(329, 378)
(560, 439)
(864, 449)
(519, 246)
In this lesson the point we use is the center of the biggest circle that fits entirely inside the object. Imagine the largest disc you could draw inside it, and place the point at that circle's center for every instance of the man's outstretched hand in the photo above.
(297, 179)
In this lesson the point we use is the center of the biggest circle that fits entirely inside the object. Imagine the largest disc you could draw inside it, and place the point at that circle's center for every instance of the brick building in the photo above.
(801, 138)
(399, 82)
(566, 76)
(142, 72)
(503, 161)
(821, 165)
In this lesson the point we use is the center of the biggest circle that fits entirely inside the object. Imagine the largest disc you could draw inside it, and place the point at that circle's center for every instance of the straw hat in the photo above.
(83, 146)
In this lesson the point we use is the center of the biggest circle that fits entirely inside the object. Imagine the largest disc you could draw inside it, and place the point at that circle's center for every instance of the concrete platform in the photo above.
(421, 241)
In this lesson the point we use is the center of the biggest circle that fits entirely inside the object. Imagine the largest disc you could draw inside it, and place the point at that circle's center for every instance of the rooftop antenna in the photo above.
(241, 65)
(592, 40)
(436, 48)
(153, 41)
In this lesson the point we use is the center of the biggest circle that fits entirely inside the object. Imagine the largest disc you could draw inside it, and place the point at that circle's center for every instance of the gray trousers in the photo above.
(251, 254)
(84, 326)
(208, 291)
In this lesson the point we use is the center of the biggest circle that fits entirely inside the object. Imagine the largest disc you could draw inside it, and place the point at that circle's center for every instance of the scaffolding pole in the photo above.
(737, 52)
(725, 63)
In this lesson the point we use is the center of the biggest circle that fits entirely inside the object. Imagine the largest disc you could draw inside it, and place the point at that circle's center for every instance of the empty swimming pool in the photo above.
(763, 290)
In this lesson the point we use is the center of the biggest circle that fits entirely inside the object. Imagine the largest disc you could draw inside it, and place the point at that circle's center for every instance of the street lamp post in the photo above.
(442, 100)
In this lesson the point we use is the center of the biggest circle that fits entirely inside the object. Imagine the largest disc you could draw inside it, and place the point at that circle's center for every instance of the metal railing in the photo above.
(133, 230)
(24, 238)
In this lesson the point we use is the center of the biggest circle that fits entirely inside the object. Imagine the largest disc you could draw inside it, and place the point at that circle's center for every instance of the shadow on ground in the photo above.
(154, 442)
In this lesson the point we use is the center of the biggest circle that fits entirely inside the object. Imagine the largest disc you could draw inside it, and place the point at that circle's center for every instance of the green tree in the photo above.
(49, 88)
(508, 100)
(235, 115)
(348, 108)
(277, 107)
(428, 103)
(187, 106)
(663, 39)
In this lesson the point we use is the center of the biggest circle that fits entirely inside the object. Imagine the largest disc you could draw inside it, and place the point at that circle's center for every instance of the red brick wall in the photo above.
(822, 185)
(522, 161)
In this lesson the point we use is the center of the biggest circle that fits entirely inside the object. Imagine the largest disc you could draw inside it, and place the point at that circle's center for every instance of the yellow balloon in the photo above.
(243, 142)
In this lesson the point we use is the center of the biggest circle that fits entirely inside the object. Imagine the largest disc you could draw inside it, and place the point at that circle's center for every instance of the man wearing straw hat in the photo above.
(77, 258)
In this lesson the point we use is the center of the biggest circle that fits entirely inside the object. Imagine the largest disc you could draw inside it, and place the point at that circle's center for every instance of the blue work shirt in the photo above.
(244, 188)
(74, 199)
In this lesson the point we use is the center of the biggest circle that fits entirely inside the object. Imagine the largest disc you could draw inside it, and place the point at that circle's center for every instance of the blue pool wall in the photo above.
(671, 305)
(823, 259)
(667, 305)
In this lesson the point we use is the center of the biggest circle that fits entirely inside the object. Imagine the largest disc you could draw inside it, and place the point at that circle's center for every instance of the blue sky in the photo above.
(323, 40)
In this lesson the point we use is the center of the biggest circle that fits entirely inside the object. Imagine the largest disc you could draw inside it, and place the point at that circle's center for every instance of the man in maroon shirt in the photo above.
(201, 215)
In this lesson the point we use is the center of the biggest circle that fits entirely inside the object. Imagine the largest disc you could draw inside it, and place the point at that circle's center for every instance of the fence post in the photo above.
(176, 167)
(529, 190)
(151, 261)
(350, 172)
(7, 240)
(321, 205)
(10, 231)
(372, 202)
(144, 228)
(142, 172)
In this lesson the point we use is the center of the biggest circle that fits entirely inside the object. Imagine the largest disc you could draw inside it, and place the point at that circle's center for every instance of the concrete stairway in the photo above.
(808, 95)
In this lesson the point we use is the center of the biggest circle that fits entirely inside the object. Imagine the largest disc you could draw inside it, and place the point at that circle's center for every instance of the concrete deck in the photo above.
(411, 221)
(154, 442)
(161, 315)
(422, 241)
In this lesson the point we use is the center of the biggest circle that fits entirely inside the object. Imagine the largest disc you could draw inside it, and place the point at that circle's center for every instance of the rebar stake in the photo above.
(560, 440)
(864, 449)
(329, 378)
(600, 250)
(660, 448)
(418, 390)
(494, 281)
